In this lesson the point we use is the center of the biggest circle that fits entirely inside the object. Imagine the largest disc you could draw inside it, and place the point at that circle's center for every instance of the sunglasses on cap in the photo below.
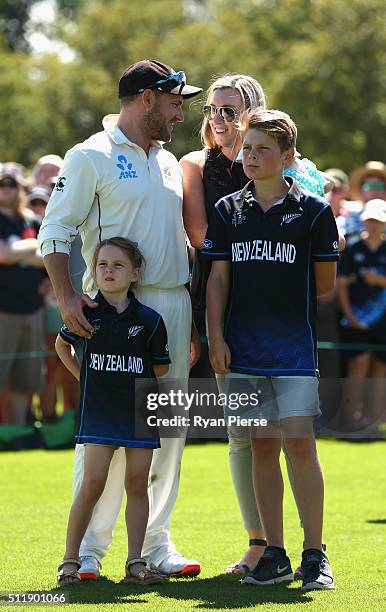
(228, 113)
(369, 185)
(8, 183)
(165, 85)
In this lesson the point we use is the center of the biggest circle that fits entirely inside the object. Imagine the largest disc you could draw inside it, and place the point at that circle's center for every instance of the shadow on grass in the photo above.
(377, 521)
(209, 593)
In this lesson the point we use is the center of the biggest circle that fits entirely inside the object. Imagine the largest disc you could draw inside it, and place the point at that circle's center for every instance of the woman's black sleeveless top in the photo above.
(221, 176)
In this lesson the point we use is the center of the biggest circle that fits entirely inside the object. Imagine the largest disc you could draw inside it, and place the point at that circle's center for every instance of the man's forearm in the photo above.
(57, 267)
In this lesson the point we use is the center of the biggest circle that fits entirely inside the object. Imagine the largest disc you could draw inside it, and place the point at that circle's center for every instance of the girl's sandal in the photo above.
(145, 576)
(65, 577)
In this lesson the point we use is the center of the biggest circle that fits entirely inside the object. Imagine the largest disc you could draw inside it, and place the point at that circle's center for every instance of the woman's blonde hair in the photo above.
(252, 96)
(129, 247)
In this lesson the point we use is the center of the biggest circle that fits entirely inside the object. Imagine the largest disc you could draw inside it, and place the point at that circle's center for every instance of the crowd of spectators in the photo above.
(32, 380)
(352, 318)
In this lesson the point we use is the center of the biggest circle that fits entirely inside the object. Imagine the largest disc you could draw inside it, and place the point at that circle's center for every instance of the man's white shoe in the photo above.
(90, 568)
(176, 565)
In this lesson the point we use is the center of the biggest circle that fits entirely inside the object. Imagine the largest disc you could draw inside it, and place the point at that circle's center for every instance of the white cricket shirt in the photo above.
(110, 187)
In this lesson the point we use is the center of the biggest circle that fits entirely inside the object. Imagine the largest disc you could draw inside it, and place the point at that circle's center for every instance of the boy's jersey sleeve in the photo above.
(217, 243)
(324, 235)
(70, 337)
(158, 343)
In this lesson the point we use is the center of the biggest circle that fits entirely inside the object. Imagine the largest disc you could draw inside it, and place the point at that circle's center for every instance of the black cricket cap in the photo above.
(147, 73)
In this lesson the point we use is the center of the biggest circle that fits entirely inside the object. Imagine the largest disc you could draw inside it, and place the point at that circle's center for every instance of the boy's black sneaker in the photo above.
(272, 568)
(298, 573)
(317, 572)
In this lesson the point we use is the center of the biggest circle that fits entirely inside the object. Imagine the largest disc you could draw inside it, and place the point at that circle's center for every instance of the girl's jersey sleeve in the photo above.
(70, 337)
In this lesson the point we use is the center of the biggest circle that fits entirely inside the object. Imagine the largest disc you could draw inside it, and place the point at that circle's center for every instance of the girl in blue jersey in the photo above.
(129, 342)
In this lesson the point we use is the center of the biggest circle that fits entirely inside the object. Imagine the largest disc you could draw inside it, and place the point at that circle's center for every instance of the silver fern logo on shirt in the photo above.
(96, 324)
(289, 217)
(134, 330)
(238, 218)
(167, 173)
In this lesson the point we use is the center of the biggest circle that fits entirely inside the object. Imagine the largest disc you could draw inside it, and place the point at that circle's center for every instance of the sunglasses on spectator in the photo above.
(167, 84)
(228, 113)
(337, 189)
(38, 202)
(370, 185)
(8, 183)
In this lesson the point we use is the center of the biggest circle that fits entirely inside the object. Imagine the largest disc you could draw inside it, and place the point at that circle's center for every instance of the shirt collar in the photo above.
(109, 123)
(104, 305)
(294, 192)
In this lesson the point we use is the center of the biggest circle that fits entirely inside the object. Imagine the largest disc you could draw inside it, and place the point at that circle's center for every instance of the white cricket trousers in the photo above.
(175, 307)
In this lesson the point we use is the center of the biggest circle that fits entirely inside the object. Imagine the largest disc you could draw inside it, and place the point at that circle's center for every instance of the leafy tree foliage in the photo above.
(323, 61)
(13, 21)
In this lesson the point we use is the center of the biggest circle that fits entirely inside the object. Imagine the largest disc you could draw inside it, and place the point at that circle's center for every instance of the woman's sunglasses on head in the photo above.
(228, 113)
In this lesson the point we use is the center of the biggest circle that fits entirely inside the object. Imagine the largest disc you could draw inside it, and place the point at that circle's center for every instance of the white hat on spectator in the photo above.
(46, 167)
(12, 170)
(375, 209)
(39, 192)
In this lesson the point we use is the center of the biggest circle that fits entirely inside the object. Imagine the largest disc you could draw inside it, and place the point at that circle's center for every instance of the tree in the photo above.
(15, 20)
(320, 60)
(14, 16)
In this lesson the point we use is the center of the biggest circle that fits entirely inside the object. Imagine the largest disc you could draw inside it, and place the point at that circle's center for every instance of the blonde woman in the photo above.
(208, 175)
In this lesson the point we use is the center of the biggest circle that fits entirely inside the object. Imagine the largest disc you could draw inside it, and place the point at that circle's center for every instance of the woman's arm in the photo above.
(68, 356)
(194, 213)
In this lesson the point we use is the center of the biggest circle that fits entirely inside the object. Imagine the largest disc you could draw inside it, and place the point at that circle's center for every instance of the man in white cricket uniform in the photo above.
(121, 182)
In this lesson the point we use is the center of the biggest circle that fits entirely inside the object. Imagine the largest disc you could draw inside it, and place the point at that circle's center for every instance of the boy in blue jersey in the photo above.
(274, 250)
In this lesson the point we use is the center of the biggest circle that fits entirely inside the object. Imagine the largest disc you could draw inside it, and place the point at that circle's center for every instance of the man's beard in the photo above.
(155, 126)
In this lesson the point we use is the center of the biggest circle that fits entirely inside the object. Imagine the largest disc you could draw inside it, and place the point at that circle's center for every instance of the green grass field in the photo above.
(35, 499)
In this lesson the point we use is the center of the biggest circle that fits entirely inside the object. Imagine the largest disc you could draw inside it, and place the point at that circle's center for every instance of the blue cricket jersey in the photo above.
(270, 323)
(121, 350)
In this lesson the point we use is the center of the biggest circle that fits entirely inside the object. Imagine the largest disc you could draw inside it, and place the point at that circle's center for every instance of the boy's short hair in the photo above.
(275, 123)
(129, 247)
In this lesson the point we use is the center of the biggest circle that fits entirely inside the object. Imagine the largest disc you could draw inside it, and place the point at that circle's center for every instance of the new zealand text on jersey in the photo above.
(116, 363)
(263, 250)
